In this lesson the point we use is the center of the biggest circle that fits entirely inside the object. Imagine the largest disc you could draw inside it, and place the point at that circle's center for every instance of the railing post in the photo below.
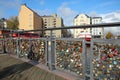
(4, 48)
(91, 57)
(52, 53)
(83, 57)
(46, 52)
(18, 45)
(87, 60)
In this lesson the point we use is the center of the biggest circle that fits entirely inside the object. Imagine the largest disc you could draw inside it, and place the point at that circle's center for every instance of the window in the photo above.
(96, 21)
(81, 31)
(30, 25)
(81, 16)
(81, 20)
(30, 14)
(45, 24)
(45, 19)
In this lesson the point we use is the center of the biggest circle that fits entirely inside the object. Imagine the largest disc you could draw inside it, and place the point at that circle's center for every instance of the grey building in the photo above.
(53, 21)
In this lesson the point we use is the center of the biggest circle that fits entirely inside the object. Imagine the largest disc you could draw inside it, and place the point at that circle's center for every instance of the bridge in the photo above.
(69, 58)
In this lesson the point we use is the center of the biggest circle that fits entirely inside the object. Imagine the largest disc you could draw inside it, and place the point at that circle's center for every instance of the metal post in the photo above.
(87, 60)
(52, 53)
(4, 48)
(83, 57)
(46, 52)
(18, 45)
(91, 57)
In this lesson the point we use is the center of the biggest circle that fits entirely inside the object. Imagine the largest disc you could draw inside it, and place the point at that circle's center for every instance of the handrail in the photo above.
(115, 24)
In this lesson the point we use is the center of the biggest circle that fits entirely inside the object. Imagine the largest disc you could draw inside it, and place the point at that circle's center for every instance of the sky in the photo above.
(109, 10)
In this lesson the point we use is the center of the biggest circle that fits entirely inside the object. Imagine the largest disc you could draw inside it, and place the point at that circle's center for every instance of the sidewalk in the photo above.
(58, 75)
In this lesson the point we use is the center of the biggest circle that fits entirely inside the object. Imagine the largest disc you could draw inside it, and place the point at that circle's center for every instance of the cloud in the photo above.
(110, 18)
(67, 14)
(94, 14)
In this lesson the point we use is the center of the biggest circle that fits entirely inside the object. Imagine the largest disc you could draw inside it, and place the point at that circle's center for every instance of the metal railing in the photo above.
(98, 59)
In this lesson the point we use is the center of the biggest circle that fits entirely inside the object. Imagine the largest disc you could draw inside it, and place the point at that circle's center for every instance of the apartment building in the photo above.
(97, 32)
(53, 21)
(3, 23)
(81, 19)
(29, 19)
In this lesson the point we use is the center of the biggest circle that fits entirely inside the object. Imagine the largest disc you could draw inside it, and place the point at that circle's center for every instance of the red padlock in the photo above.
(110, 55)
(115, 53)
(103, 58)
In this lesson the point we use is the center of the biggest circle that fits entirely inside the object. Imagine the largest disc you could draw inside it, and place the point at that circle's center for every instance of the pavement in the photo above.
(13, 68)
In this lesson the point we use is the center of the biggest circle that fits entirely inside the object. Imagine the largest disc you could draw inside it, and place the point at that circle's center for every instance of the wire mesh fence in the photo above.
(69, 56)
(106, 60)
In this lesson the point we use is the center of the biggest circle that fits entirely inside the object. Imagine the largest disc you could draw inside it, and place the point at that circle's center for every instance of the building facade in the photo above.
(28, 19)
(97, 32)
(81, 19)
(3, 23)
(53, 21)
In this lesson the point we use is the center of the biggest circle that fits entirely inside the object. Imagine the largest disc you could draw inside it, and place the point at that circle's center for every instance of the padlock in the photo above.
(105, 78)
(98, 65)
(115, 62)
(108, 75)
(110, 55)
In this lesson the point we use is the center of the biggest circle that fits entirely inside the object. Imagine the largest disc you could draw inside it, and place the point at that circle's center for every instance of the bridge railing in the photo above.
(23, 46)
(70, 55)
(98, 59)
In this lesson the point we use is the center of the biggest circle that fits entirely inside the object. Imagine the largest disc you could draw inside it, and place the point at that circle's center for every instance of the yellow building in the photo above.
(53, 21)
(28, 19)
(81, 19)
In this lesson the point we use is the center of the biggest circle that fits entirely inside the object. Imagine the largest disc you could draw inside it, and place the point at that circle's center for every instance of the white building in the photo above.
(3, 23)
(97, 32)
(81, 19)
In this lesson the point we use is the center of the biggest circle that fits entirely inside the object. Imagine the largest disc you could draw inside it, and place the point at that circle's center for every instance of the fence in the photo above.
(98, 59)
(105, 59)
(70, 55)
